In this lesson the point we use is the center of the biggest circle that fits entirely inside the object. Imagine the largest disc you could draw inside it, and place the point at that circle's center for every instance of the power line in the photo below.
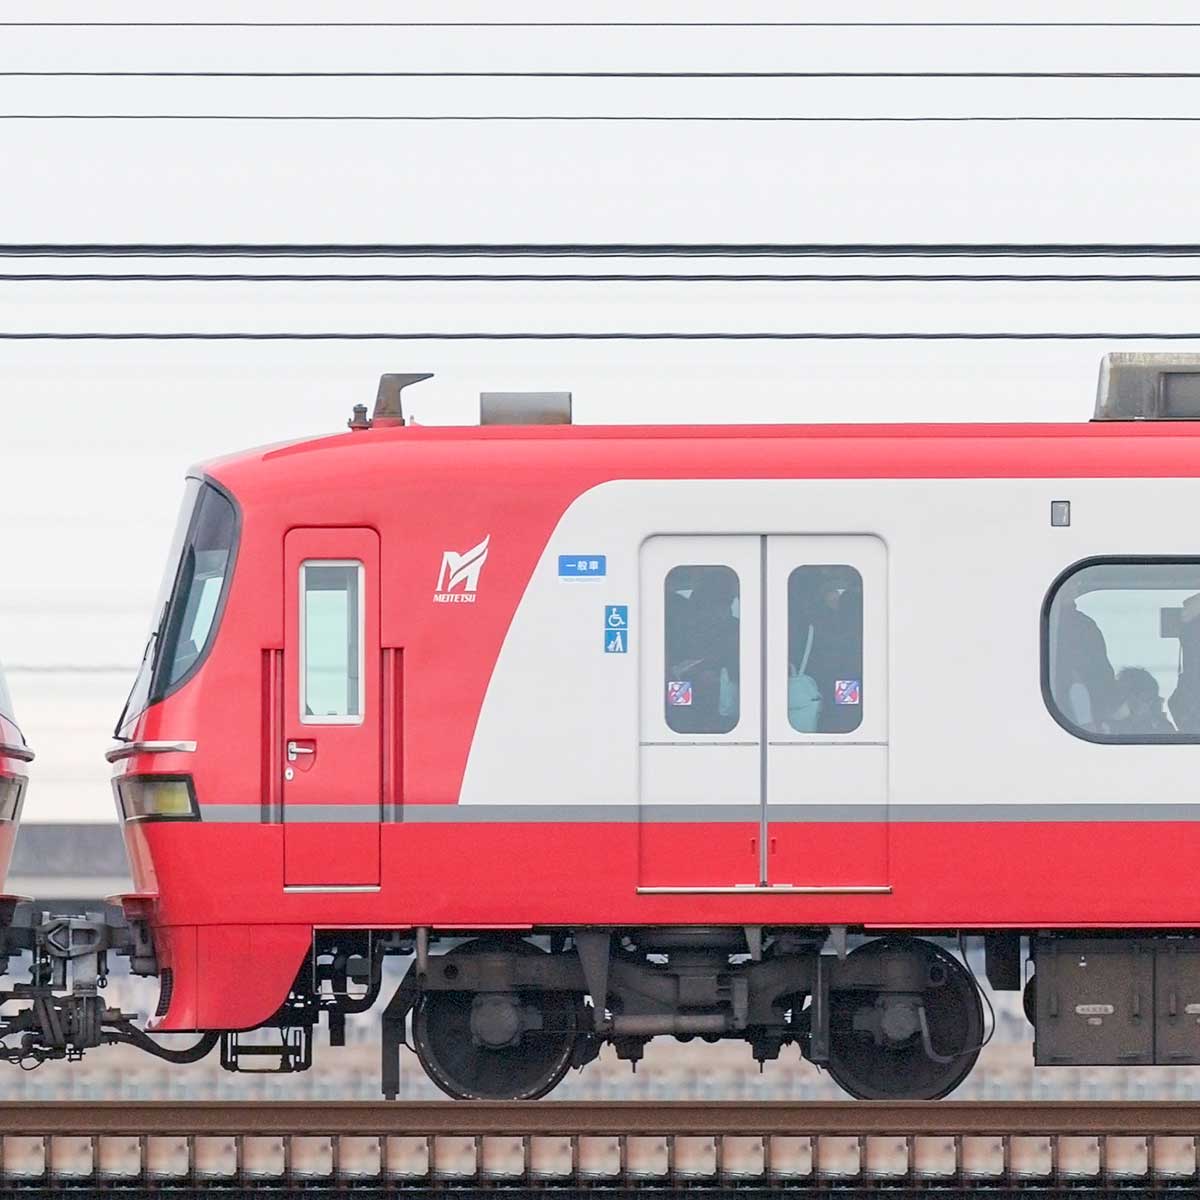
(585, 277)
(599, 24)
(602, 118)
(604, 336)
(599, 249)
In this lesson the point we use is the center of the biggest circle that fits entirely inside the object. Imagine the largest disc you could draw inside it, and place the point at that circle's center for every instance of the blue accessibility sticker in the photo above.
(616, 616)
(616, 641)
(582, 566)
(616, 629)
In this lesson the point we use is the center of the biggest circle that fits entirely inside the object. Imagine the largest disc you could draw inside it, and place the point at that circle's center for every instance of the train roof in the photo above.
(1135, 449)
(1146, 423)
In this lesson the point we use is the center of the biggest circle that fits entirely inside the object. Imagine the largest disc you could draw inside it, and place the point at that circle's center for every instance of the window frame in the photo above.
(1060, 718)
(361, 616)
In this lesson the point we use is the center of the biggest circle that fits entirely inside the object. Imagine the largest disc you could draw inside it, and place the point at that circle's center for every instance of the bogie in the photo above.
(501, 1018)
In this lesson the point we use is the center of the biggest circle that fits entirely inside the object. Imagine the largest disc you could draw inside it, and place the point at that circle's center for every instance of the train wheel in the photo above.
(497, 1046)
(901, 1069)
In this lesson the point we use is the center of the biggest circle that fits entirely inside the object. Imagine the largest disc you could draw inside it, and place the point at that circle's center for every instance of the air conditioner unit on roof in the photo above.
(1148, 387)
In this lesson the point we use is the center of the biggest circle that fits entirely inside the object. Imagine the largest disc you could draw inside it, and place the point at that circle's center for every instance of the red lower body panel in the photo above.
(227, 976)
(235, 938)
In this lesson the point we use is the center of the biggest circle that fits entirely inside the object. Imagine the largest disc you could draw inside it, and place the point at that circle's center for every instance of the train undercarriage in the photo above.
(505, 1016)
(498, 1019)
(508, 1016)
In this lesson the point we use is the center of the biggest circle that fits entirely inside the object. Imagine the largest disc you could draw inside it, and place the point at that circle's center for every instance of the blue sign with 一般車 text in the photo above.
(582, 566)
(616, 629)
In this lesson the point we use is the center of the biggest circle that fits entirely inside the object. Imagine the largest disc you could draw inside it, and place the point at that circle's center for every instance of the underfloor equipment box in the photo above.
(1117, 1001)
(1094, 1001)
(1177, 1001)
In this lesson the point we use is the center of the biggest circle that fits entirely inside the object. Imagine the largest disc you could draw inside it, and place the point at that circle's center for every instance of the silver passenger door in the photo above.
(825, 667)
(700, 752)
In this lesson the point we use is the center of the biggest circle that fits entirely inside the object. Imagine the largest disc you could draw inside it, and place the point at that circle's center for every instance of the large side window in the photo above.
(331, 621)
(1121, 650)
(703, 649)
(825, 649)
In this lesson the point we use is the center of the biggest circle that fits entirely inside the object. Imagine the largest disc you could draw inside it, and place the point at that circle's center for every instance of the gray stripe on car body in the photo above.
(667, 814)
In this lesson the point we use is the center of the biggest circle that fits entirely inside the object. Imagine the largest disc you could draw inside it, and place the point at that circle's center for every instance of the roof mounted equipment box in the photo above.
(525, 408)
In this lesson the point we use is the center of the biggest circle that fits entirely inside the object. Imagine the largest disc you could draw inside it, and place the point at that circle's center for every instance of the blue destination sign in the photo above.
(582, 566)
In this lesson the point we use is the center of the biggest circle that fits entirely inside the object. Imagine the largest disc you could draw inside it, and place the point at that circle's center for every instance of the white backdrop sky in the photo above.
(96, 436)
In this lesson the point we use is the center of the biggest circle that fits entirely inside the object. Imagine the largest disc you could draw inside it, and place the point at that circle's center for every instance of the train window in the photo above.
(331, 620)
(825, 649)
(1121, 650)
(703, 649)
(191, 613)
(6, 705)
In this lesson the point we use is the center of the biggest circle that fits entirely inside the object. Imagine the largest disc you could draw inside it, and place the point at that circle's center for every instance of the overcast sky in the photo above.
(96, 436)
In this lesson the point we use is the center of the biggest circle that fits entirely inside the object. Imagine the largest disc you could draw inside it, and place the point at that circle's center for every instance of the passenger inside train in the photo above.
(1140, 706)
(825, 649)
(1185, 700)
(1124, 643)
(703, 649)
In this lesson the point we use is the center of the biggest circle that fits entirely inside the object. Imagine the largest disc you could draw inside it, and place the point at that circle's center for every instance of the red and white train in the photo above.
(15, 757)
(685, 731)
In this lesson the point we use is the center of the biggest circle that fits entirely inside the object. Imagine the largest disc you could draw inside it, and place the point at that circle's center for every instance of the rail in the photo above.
(473, 1148)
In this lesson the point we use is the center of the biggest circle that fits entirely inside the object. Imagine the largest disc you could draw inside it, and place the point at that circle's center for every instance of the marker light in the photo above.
(10, 797)
(156, 798)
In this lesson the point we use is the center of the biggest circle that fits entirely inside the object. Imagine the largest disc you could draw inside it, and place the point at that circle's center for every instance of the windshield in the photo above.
(189, 598)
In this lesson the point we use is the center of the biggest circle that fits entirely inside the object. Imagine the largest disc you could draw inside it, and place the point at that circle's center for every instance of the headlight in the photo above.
(10, 797)
(156, 797)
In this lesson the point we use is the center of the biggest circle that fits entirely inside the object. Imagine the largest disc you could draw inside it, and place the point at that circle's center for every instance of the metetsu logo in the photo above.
(459, 577)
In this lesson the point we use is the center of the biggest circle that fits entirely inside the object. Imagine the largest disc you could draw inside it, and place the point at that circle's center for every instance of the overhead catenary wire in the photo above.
(620, 118)
(595, 336)
(867, 24)
(584, 277)
(682, 75)
(681, 250)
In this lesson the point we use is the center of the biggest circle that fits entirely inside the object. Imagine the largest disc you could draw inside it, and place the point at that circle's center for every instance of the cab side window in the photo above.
(1121, 650)
(825, 649)
(703, 649)
(331, 620)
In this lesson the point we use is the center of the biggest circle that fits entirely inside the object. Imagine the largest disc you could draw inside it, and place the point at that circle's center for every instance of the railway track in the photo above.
(650, 1149)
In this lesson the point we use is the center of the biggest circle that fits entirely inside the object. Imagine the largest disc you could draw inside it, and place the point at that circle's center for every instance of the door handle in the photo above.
(294, 751)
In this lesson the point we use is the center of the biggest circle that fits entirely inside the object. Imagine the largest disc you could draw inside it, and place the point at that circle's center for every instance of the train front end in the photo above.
(195, 766)
(173, 746)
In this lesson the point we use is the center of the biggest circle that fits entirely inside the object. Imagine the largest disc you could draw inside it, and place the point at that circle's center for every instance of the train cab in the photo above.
(627, 732)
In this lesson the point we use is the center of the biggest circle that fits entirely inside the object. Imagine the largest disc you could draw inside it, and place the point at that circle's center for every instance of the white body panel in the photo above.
(969, 565)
